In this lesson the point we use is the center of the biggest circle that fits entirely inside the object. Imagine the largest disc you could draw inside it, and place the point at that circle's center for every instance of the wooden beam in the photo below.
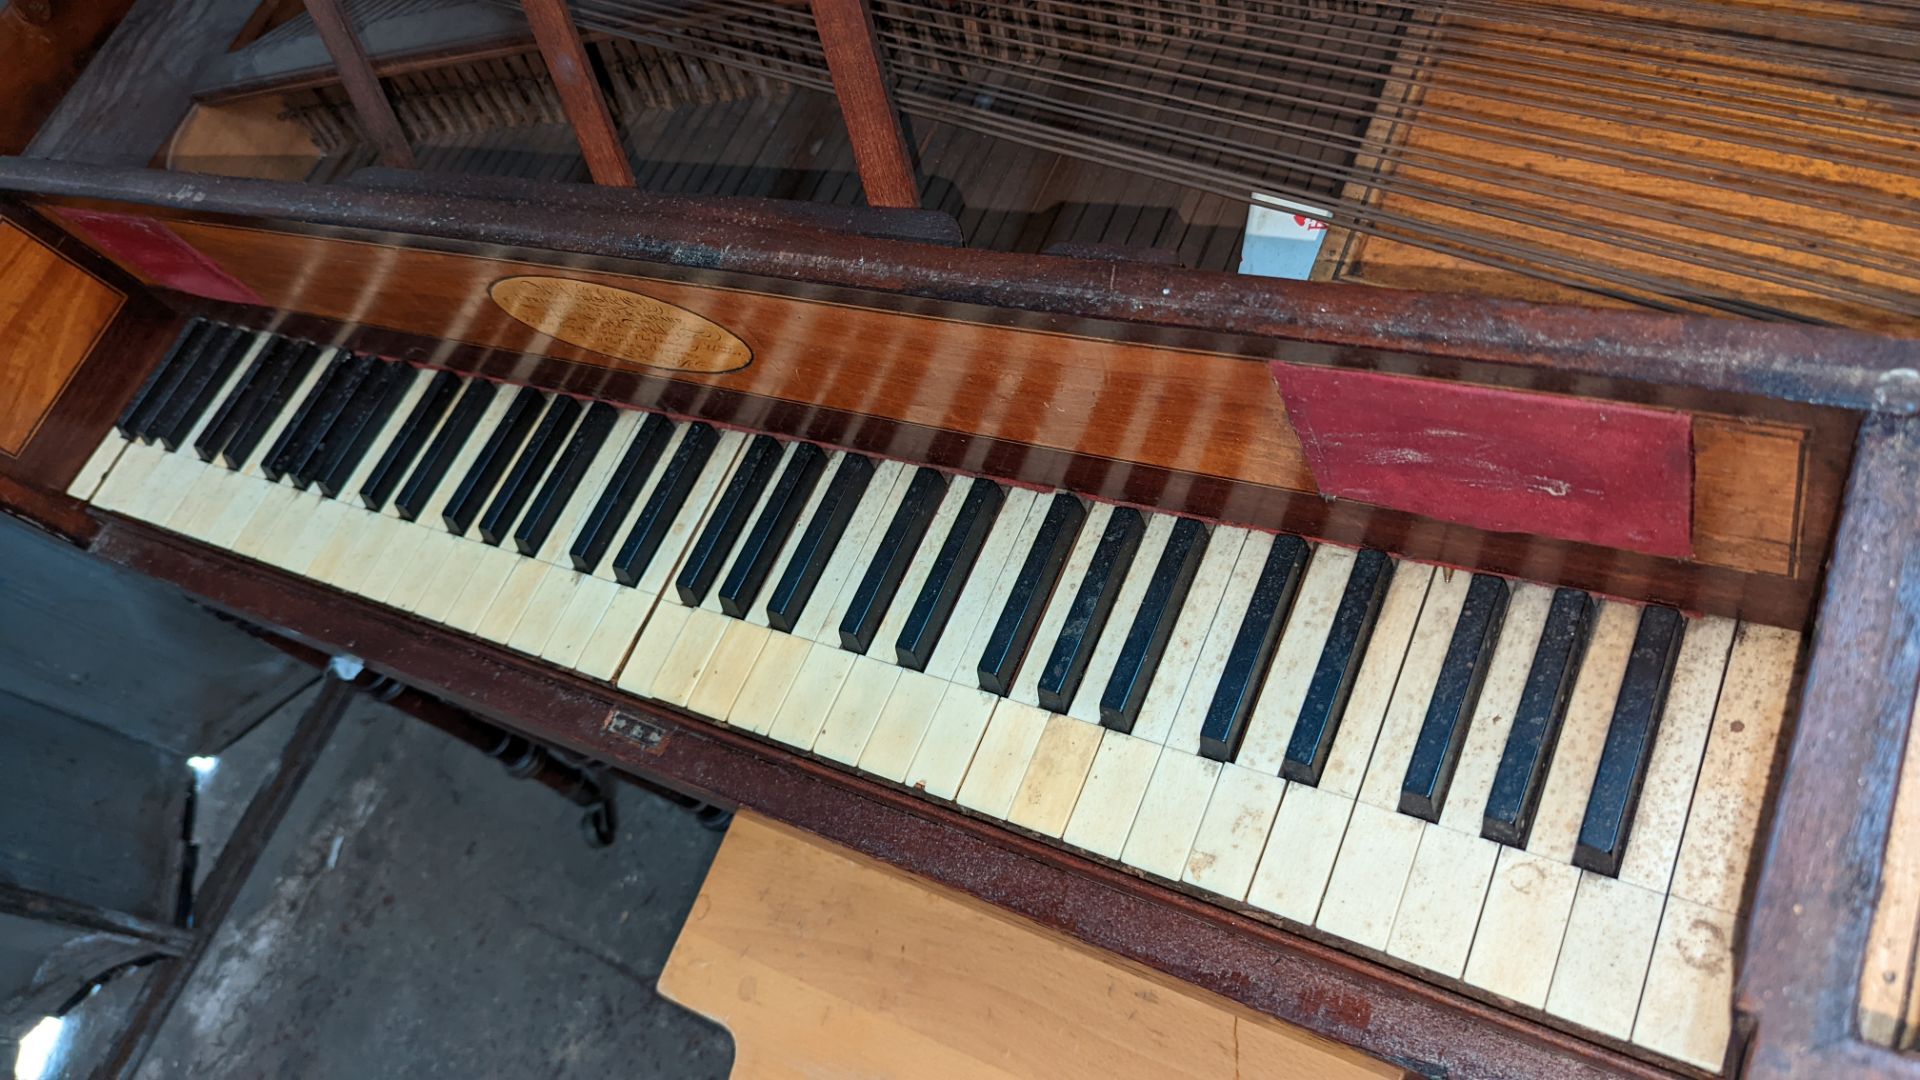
(866, 103)
(362, 85)
(572, 74)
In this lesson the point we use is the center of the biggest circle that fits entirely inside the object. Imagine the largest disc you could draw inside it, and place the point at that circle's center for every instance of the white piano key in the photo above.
(330, 562)
(288, 526)
(463, 460)
(493, 569)
(1295, 659)
(1427, 652)
(389, 566)
(766, 687)
(903, 723)
(956, 657)
(946, 752)
(1521, 926)
(822, 675)
(222, 525)
(993, 778)
(1229, 612)
(1169, 686)
(1126, 607)
(856, 709)
(885, 639)
(1301, 849)
(125, 484)
(1026, 685)
(252, 466)
(252, 538)
(1440, 907)
(1370, 875)
(726, 670)
(612, 639)
(1233, 831)
(1169, 815)
(1583, 734)
(1373, 684)
(449, 579)
(593, 483)
(101, 462)
(688, 657)
(322, 516)
(1506, 680)
(575, 628)
(1110, 799)
(542, 613)
(1055, 775)
(652, 648)
(1604, 956)
(757, 614)
(820, 619)
(1685, 1012)
(207, 493)
(604, 570)
(373, 539)
(1738, 769)
(1661, 818)
(711, 602)
(691, 518)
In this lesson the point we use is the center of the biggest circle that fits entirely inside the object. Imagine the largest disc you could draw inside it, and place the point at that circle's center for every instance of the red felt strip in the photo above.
(157, 254)
(1581, 469)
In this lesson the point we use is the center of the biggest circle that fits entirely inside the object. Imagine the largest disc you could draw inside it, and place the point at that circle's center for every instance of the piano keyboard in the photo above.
(1546, 795)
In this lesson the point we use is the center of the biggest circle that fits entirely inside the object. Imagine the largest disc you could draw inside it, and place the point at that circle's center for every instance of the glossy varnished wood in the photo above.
(52, 313)
(1379, 1012)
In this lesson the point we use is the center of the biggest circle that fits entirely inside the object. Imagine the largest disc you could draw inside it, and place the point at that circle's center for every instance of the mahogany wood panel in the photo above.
(866, 102)
(51, 314)
(1814, 901)
(1381, 1012)
(1209, 414)
(572, 74)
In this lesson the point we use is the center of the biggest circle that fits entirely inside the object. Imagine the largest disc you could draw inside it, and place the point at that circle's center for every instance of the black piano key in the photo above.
(1522, 774)
(891, 559)
(299, 434)
(179, 367)
(771, 529)
(1436, 752)
(1020, 616)
(143, 402)
(496, 455)
(1146, 640)
(1636, 724)
(1239, 689)
(447, 441)
(1325, 702)
(818, 541)
(564, 480)
(300, 356)
(655, 519)
(1090, 607)
(948, 575)
(728, 522)
(397, 458)
(240, 402)
(529, 468)
(365, 417)
(623, 486)
(324, 428)
(195, 394)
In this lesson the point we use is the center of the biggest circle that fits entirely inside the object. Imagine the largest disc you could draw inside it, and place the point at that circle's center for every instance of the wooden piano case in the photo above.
(1135, 383)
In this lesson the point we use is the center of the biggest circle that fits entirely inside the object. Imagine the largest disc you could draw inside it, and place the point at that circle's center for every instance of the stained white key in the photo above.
(1109, 801)
(1604, 956)
(726, 670)
(1684, 1011)
(1412, 692)
(856, 709)
(652, 648)
(1659, 822)
(1521, 926)
(903, 723)
(757, 614)
(1169, 688)
(1126, 607)
(1506, 680)
(1055, 775)
(1370, 875)
(493, 567)
(956, 655)
(1583, 734)
(612, 639)
(1026, 685)
(820, 620)
(767, 685)
(687, 659)
(593, 483)
(693, 513)
(946, 752)
(542, 614)
(1169, 815)
(98, 465)
(1440, 907)
(1233, 831)
(1229, 612)
(711, 602)
(575, 628)
(1284, 687)
(993, 777)
(821, 677)
(916, 576)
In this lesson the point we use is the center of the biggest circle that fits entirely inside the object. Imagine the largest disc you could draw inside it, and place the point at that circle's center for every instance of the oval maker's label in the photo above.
(621, 323)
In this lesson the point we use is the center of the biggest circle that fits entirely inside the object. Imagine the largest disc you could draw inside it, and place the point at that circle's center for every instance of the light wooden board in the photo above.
(825, 963)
